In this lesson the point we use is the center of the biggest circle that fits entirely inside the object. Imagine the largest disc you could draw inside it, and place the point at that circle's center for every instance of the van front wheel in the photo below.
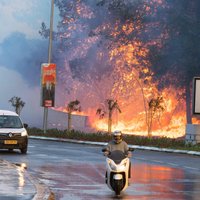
(24, 150)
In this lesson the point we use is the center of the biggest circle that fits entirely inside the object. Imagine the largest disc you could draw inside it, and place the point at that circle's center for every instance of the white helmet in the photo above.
(117, 136)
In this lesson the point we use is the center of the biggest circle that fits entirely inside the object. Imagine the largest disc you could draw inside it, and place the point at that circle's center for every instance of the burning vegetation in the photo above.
(131, 52)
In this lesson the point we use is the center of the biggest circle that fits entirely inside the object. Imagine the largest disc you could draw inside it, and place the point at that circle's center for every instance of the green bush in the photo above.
(161, 142)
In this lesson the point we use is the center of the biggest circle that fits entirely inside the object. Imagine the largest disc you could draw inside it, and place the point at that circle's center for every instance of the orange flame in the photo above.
(128, 60)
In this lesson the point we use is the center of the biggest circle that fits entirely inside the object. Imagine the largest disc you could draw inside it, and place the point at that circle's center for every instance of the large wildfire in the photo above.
(96, 69)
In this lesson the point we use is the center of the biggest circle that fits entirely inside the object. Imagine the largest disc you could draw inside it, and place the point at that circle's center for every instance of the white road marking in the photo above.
(173, 164)
(192, 168)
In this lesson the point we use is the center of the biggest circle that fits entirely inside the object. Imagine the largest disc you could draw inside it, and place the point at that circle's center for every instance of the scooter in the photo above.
(117, 170)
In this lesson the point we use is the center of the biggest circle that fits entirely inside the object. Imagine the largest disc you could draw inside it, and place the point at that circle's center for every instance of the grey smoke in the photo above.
(24, 55)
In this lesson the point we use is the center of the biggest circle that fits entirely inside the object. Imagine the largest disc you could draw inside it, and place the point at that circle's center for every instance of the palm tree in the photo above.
(112, 105)
(72, 106)
(17, 103)
(155, 106)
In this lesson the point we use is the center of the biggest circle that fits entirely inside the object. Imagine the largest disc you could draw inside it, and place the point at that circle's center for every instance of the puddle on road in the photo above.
(14, 182)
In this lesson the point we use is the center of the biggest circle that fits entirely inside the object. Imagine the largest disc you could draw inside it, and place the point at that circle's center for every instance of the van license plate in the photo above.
(10, 141)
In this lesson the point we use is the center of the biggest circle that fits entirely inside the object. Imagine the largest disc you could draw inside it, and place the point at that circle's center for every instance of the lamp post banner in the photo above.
(48, 82)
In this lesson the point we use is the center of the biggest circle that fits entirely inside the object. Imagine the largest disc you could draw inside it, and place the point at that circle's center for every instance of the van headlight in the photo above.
(24, 133)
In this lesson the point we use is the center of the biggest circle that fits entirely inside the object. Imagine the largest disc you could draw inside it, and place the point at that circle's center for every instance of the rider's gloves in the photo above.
(106, 153)
(129, 154)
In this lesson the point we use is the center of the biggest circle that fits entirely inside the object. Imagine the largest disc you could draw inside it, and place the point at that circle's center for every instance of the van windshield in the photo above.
(8, 121)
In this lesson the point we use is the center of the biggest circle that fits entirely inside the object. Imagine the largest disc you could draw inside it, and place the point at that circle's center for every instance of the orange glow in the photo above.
(132, 119)
(128, 28)
(160, 179)
(83, 10)
(128, 59)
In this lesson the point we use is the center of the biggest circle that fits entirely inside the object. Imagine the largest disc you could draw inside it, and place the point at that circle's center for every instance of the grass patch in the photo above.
(161, 142)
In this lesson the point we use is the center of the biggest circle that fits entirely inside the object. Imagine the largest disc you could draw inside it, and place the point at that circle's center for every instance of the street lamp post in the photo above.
(45, 119)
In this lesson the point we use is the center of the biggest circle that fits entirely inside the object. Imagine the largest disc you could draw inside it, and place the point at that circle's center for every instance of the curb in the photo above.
(196, 153)
(42, 192)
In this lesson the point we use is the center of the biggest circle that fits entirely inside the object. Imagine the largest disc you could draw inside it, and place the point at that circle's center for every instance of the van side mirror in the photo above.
(25, 125)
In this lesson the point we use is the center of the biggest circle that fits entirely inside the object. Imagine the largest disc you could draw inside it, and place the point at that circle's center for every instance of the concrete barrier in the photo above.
(192, 133)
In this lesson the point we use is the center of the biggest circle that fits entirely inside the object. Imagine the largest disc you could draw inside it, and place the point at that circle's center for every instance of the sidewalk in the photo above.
(17, 184)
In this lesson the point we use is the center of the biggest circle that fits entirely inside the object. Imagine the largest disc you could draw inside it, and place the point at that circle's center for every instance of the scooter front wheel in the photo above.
(118, 187)
(117, 192)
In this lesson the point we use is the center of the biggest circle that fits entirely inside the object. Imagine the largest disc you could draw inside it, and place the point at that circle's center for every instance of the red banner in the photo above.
(48, 81)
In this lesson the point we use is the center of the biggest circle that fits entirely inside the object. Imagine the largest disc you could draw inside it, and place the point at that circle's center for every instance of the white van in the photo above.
(13, 133)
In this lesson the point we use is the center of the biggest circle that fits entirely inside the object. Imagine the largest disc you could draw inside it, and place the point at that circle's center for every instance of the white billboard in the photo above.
(196, 95)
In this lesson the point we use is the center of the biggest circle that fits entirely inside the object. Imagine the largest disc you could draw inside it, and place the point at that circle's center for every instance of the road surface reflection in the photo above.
(86, 181)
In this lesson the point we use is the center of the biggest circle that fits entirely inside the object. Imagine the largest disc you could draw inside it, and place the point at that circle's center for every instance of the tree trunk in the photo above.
(149, 124)
(18, 110)
(110, 123)
(69, 120)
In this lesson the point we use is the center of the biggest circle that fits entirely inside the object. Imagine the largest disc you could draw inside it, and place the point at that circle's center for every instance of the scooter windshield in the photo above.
(117, 156)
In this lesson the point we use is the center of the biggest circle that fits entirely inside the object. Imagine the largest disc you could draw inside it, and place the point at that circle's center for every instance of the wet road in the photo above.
(76, 172)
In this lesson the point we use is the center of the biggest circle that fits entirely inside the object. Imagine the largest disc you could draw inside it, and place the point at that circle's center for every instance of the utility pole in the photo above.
(45, 119)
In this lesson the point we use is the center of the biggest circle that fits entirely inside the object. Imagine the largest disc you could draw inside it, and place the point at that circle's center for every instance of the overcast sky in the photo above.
(19, 43)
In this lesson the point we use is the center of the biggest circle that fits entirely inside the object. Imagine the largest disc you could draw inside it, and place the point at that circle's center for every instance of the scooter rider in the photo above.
(118, 144)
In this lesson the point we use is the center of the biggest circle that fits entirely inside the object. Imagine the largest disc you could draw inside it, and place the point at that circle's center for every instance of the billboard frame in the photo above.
(196, 96)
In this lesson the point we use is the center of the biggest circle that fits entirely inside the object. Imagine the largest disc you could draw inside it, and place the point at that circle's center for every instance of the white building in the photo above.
(59, 120)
